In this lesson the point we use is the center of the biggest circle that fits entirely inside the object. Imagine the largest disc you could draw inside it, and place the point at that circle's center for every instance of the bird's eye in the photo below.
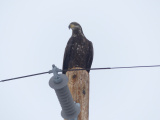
(77, 26)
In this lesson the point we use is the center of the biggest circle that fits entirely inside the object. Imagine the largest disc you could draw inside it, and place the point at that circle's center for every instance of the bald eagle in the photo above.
(79, 50)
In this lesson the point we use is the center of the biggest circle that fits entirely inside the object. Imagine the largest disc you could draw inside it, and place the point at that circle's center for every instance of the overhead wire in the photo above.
(24, 76)
(80, 69)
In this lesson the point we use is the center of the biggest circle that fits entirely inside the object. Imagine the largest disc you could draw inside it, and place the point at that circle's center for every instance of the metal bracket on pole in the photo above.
(59, 82)
(55, 70)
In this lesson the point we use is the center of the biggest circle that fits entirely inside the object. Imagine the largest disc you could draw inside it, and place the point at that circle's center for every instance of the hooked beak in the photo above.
(71, 26)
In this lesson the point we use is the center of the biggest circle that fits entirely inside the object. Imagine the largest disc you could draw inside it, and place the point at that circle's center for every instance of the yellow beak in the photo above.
(71, 26)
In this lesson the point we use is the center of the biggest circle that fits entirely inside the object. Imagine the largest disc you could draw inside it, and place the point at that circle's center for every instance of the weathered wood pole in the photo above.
(79, 87)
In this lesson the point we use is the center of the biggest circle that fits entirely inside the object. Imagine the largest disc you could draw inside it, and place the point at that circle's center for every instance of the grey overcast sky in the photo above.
(33, 36)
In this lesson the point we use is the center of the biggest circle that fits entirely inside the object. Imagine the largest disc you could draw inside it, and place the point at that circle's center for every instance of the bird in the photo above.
(78, 51)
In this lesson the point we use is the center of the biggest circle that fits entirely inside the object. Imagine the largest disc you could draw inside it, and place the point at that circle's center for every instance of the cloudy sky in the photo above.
(33, 36)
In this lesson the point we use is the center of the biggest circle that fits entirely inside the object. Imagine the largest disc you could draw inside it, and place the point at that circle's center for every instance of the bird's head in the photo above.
(76, 27)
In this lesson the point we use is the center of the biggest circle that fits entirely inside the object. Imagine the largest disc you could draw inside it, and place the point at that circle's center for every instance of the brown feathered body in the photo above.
(78, 52)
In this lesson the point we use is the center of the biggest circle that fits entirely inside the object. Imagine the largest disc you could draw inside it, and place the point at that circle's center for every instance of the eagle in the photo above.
(78, 51)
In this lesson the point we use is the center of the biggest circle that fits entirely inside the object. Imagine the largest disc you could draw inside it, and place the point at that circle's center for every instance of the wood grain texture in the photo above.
(79, 86)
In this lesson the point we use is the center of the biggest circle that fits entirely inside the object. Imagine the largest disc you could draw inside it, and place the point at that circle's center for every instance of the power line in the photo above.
(23, 76)
(81, 69)
(115, 67)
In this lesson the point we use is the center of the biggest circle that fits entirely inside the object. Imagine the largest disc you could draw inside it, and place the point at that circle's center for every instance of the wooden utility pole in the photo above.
(79, 87)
